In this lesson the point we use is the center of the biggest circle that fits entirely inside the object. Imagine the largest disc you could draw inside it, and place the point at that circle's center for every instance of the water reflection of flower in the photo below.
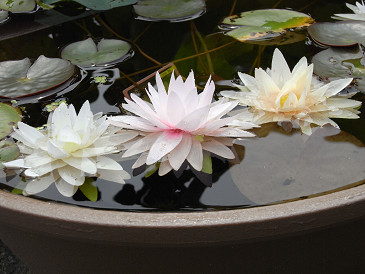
(71, 147)
(180, 125)
(281, 95)
(359, 12)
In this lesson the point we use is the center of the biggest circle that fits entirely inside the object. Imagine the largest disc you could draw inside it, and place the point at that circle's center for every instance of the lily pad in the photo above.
(337, 63)
(9, 117)
(17, 5)
(295, 165)
(98, 4)
(4, 16)
(87, 54)
(8, 151)
(342, 33)
(20, 78)
(169, 10)
(264, 25)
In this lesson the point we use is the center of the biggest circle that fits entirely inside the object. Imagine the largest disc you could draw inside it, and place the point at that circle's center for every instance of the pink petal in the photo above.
(178, 155)
(142, 145)
(218, 148)
(166, 142)
(195, 157)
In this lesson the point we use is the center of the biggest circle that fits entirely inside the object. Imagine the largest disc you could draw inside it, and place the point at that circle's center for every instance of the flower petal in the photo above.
(71, 175)
(39, 184)
(65, 188)
(195, 157)
(166, 142)
(107, 163)
(178, 155)
(84, 164)
(218, 148)
(116, 176)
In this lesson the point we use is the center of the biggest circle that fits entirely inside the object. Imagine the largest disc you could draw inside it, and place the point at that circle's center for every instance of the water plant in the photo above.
(281, 95)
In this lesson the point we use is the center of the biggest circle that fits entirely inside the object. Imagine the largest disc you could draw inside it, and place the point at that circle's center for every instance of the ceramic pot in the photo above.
(324, 233)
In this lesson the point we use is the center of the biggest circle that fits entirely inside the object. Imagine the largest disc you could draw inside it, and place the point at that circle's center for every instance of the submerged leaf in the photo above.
(17, 5)
(19, 78)
(8, 151)
(89, 190)
(98, 4)
(4, 16)
(170, 10)
(343, 33)
(86, 53)
(266, 26)
(9, 117)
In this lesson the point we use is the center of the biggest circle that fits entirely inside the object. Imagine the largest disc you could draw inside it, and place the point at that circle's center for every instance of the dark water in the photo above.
(276, 167)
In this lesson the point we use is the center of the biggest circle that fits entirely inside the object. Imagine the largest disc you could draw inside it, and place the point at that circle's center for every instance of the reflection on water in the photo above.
(276, 166)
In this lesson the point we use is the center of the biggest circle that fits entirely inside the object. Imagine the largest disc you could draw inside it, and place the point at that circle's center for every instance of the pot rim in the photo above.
(183, 228)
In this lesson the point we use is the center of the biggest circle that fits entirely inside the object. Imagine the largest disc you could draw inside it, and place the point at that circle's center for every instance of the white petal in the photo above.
(84, 164)
(142, 145)
(166, 142)
(55, 151)
(195, 157)
(178, 155)
(141, 160)
(94, 151)
(336, 86)
(71, 175)
(19, 163)
(46, 168)
(193, 120)
(40, 184)
(107, 163)
(65, 188)
(280, 71)
(37, 159)
(116, 176)
(218, 149)
(205, 98)
(164, 168)
(30, 134)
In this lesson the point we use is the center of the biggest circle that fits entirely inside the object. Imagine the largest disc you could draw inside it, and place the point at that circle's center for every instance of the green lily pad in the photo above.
(20, 78)
(343, 33)
(17, 5)
(87, 54)
(9, 117)
(8, 152)
(266, 25)
(98, 4)
(170, 10)
(4, 16)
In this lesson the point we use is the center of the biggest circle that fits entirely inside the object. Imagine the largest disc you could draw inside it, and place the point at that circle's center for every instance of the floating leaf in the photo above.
(98, 4)
(17, 5)
(4, 16)
(9, 117)
(89, 190)
(343, 33)
(266, 25)
(8, 152)
(326, 160)
(170, 10)
(87, 54)
(19, 78)
(337, 63)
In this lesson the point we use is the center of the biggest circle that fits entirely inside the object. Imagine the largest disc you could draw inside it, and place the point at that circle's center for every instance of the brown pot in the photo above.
(324, 234)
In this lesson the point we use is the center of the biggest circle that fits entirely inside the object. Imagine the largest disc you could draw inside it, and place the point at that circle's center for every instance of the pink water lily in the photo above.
(180, 124)
(70, 148)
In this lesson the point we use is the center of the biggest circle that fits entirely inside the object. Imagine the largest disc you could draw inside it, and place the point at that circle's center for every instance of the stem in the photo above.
(209, 59)
(101, 21)
(233, 7)
(196, 49)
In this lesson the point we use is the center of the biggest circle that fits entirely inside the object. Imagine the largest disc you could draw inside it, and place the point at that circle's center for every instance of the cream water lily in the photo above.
(358, 12)
(298, 97)
(71, 147)
(180, 125)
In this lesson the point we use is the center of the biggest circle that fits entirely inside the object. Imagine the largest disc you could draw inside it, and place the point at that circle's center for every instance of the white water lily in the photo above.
(72, 147)
(359, 12)
(281, 95)
(180, 124)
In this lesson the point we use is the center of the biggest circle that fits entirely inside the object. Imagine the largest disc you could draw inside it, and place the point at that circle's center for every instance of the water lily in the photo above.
(281, 95)
(180, 124)
(72, 147)
(359, 12)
